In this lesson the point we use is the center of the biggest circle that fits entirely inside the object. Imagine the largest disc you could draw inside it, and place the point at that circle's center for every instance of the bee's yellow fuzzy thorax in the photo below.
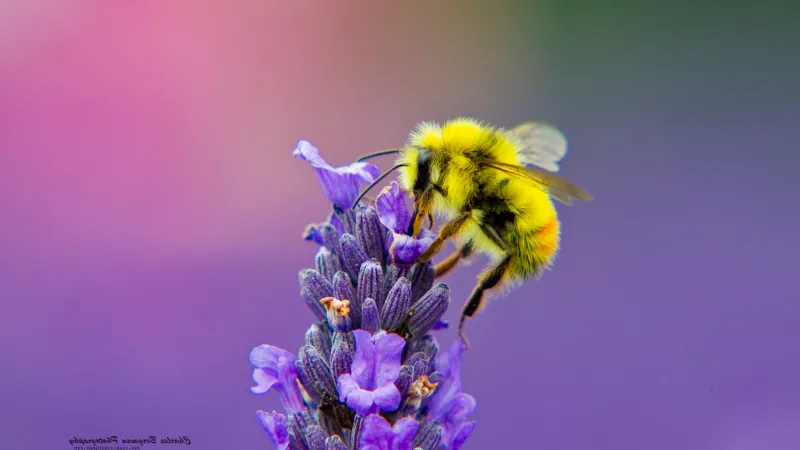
(454, 146)
(456, 138)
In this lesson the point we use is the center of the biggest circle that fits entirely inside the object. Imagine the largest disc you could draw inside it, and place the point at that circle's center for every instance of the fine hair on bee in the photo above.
(494, 188)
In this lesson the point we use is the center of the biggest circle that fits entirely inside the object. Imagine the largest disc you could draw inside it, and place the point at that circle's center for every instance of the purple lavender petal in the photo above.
(387, 398)
(341, 185)
(461, 434)
(449, 365)
(376, 434)
(275, 426)
(325, 233)
(404, 431)
(363, 368)
(264, 381)
(312, 233)
(406, 249)
(275, 369)
(346, 384)
(392, 209)
(388, 354)
(461, 406)
(267, 357)
(360, 400)
(291, 398)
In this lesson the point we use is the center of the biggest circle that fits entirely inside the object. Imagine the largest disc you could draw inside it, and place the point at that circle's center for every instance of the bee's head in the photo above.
(415, 175)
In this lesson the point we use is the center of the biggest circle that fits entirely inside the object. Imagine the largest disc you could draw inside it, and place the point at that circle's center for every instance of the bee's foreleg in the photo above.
(445, 266)
(447, 231)
(486, 282)
(422, 208)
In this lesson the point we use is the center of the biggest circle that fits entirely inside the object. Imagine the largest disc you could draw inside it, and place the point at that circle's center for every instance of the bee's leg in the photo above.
(445, 266)
(446, 232)
(422, 207)
(475, 301)
(430, 221)
(486, 282)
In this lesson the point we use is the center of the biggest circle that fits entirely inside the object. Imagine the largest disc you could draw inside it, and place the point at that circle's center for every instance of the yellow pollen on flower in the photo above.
(340, 307)
(422, 387)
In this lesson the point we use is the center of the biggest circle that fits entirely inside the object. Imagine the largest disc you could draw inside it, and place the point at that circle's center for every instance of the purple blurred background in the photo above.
(150, 212)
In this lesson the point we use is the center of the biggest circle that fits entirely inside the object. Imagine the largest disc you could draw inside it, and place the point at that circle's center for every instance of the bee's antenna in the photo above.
(390, 151)
(378, 180)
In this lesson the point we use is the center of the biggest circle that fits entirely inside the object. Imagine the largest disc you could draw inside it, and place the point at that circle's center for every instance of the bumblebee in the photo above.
(494, 188)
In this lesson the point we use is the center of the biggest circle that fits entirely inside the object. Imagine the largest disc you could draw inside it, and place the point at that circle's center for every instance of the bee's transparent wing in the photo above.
(541, 145)
(557, 186)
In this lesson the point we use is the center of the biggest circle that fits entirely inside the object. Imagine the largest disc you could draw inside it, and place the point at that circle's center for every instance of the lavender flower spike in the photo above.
(394, 214)
(341, 185)
(376, 366)
(370, 375)
(275, 369)
(377, 434)
(275, 426)
(448, 404)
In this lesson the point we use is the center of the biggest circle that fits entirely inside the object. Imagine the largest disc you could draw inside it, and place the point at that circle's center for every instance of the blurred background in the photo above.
(150, 211)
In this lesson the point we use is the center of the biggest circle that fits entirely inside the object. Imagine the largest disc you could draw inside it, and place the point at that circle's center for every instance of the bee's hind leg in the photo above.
(476, 300)
(445, 266)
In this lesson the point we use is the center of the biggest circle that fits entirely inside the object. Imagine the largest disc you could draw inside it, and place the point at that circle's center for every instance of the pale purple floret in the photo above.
(275, 369)
(321, 232)
(376, 366)
(378, 434)
(276, 427)
(448, 404)
(394, 214)
(342, 184)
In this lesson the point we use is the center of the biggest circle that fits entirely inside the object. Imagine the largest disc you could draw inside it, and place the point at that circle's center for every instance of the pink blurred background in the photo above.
(151, 212)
